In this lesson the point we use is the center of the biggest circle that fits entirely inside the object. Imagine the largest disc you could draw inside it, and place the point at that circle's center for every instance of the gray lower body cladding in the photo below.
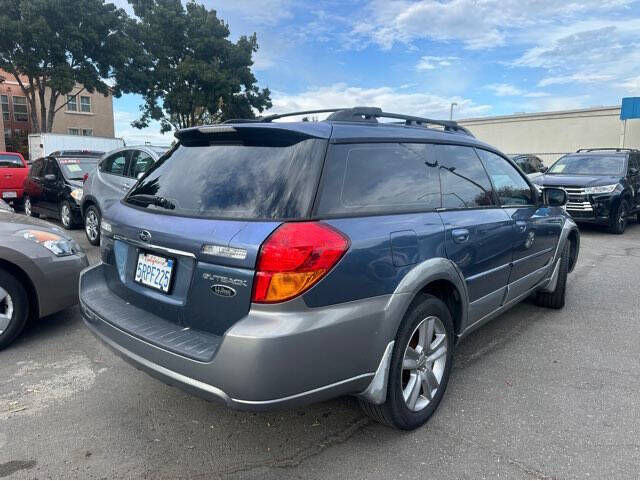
(276, 356)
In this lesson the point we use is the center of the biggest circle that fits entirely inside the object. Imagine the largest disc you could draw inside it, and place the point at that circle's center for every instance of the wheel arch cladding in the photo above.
(574, 246)
(25, 280)
(448, 293)
(440, 278)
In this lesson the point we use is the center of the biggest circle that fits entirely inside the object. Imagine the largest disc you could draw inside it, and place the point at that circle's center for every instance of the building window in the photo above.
(85, 104)
(87, 132)
(72, 106)
(20, 111)
(74, 131)
(4, 100)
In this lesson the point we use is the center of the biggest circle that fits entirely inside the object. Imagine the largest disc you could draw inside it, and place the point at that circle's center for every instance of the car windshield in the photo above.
(233, 181)
(11, 161)
(74, 169)
(589, 165)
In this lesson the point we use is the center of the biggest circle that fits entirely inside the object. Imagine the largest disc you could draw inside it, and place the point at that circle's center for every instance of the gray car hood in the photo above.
(11, 222)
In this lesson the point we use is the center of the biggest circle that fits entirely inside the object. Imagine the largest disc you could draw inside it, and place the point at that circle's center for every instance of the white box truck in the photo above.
(44, 144)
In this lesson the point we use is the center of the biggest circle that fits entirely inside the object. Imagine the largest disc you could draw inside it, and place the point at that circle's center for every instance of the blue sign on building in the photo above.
(630, 108)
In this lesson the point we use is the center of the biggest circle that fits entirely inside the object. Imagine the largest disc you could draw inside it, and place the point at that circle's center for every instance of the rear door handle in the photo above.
(521, 226)
(460, 236)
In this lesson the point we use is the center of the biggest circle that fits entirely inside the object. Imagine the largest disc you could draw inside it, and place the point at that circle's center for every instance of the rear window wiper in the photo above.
(147, 199)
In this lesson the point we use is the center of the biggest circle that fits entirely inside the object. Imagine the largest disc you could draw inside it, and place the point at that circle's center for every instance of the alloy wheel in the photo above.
(91, 225)
(424, 363)
(65, 215)
(622, 217)
(6, 310)
(27, 207)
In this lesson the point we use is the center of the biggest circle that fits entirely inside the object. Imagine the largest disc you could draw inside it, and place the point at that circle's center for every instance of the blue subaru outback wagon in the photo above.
(270, 264)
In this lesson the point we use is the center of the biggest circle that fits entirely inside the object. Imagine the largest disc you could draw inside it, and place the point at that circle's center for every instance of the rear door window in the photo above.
(233, 181)
(36, 168)
(139, 163)
(465, 184)
(510, 186)
(115, 164)
(379, 178)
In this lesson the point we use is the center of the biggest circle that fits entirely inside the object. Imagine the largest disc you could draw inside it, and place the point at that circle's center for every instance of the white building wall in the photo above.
(552, 134)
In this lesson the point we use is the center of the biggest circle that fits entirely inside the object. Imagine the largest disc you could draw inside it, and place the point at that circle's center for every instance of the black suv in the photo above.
(54, 185)
(603, 185)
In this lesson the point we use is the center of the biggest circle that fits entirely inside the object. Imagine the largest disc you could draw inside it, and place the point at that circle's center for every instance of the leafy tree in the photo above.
(189, 72)
(54, 44)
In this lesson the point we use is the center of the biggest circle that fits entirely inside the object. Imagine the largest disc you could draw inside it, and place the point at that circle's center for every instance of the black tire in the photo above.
(556, 299)
(91, 216)
(66, 217)
(395, 411)
(28, 208)
(620, 221)
(19, 302)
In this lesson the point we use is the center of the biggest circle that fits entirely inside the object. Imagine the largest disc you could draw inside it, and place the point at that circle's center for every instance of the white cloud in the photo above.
(631, 85)
(388, 98)
(579, 78)
(508, 90)
(132, 136)
(477, 24)
(430, 62)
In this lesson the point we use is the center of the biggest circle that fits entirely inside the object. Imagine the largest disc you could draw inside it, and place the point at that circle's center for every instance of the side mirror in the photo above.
(544, 168)
(139, 176)
(50, 178)
(553, 197)
(633, 171)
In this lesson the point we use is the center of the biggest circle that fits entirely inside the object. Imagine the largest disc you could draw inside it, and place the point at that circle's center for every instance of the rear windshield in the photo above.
(10, 161)
(74, 169)
(233, 181)
(589, 165)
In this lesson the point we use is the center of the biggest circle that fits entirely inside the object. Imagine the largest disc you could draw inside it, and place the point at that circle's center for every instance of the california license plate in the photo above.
(9, 195)
(154, 271)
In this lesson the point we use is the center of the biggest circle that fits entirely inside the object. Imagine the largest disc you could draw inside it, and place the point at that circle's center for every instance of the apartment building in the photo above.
(78, 113)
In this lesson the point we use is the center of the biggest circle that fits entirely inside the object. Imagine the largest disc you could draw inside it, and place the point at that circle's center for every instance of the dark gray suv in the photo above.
(270, 264)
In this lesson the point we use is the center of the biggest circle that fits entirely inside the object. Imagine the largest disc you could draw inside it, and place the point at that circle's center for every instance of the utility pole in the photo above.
(453, 104)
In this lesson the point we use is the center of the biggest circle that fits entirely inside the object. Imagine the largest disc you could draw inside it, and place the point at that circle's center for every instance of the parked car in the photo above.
(54, 186)
(39, 269)
(13, 171)
(114, 176)
(530, 164)
(603, 185)
(275, 264)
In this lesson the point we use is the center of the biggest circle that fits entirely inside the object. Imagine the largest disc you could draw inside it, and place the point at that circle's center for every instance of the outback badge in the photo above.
(223, 291)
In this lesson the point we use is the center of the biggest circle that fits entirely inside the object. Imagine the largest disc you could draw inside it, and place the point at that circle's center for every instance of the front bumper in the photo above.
(57, 284)
(274, 357)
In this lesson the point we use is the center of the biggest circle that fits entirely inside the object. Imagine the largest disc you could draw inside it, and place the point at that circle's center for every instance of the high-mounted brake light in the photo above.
(294, 258)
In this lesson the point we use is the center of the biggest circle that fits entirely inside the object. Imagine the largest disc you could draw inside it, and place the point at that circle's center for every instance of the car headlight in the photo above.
(77, 194)
(601, 189)
(55, 243)
(105, 226)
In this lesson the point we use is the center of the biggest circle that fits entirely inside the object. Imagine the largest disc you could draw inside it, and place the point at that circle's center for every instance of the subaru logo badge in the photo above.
(223, 291)
(145, 235)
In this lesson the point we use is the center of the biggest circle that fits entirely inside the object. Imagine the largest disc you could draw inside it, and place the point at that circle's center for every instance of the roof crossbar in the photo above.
(617, 149)
(363, 114)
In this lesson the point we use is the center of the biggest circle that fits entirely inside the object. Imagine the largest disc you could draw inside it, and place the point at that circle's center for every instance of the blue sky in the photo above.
(491, 57)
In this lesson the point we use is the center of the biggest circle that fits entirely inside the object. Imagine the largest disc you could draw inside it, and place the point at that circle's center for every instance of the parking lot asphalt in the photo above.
(536, 393)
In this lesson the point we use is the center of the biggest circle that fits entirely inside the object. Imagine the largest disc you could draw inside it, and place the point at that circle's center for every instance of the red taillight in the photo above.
(85, 177)
(295, 257)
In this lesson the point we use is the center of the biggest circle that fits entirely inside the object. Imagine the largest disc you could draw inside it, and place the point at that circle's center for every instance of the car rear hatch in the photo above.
(185, 240)
(12, 172)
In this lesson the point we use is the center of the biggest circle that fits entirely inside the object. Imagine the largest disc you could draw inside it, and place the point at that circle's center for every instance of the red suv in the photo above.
(13, 172)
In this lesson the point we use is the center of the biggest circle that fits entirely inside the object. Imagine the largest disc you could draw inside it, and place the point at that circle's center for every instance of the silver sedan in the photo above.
(39, 270)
